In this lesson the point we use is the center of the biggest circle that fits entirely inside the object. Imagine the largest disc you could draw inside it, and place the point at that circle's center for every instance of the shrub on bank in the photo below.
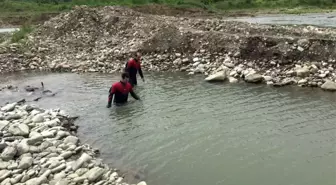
(21, 33)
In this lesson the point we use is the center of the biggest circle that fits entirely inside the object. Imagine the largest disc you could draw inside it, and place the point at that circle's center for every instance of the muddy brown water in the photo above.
(186, 131)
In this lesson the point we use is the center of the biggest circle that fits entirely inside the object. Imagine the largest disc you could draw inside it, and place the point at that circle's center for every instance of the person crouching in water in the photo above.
(132, 67)
(120, 91)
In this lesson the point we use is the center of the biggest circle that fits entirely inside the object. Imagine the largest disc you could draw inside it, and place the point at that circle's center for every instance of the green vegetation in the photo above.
(21, 33)
(10, 7)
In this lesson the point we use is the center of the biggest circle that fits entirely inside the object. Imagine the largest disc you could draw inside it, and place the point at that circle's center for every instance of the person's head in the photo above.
(124, 77)
(137, 55)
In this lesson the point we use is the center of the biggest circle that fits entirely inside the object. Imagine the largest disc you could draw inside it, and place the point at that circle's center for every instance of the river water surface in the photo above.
(316, 19)
(188, 132)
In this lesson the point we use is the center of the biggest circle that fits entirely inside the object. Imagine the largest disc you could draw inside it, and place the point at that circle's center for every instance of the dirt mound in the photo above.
(100, 39)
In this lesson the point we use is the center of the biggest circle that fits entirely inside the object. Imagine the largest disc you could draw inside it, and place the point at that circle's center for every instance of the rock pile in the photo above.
(39, 147)
(100, 40)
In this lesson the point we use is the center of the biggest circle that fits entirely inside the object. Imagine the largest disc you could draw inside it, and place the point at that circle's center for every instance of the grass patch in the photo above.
(15, 7)
(22, 33)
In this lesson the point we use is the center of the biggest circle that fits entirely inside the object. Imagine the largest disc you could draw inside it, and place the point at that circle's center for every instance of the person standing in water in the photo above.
(119, 91)
(132, 67)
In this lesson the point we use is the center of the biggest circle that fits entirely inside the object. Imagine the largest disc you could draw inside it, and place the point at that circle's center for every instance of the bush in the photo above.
(21, 33)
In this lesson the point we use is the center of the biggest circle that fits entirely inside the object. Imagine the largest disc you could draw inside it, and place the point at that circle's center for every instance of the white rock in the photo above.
(322, 75)
(38, 118)
(300, 48)
(6, 182)
(35, 139)
(79, 179)
(16, 179)
(290, 73)
(329, 85)
(81, 171)
(19, 129)
(195, 59)
(49, 134)
(142, 183)
(84, 158)
(36, 181)
(302, 72)
(3, 124)
(94, 174)
(66, 154)
(4, 174)
(52, 123)
(62, 182)
(71, 139)
(219, 76)
(13, 166)
(267, 78)
(8, 153)
(25, 162)
(9, 107)
(4, 165)
(233, 73)
(61, 134)
(253, 78)
(302, 81)
(232, 80)
(34, 112)
(60, 176)
(199, 69)
(113, 176)
(23, 147)
(119, 180)
(238, 69)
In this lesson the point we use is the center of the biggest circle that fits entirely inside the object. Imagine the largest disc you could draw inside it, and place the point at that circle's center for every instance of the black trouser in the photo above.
(133, 80)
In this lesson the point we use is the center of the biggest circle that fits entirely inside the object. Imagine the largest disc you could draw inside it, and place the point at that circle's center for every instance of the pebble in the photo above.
(4, 174)
(38, 118)
(47, 153)
(8, 153)
(9, 107)
(19, 129)
(25, 162)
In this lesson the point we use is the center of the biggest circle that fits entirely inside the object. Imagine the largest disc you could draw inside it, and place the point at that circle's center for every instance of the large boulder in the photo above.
(329, 86)
(219, 76)
(302, 71)
(232, 80)
(254, 78)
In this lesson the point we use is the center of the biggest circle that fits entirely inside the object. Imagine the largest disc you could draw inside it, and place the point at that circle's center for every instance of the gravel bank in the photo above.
(40, 147)
(100, 40)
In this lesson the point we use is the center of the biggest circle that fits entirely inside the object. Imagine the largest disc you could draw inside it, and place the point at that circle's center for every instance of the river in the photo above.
(316, 19)
(187, 131)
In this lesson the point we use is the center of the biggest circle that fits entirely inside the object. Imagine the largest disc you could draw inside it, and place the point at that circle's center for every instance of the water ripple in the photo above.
(186, 131)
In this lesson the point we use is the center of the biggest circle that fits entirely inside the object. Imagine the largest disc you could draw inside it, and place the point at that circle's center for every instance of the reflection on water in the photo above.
(186, 131)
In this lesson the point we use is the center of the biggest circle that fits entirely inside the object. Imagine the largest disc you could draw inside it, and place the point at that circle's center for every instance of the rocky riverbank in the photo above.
(40, 147)
(100, 40)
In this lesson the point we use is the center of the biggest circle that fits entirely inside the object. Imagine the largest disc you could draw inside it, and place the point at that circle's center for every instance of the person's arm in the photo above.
(126, 65)
(135, 96)
(140, 72)
(110, 97)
